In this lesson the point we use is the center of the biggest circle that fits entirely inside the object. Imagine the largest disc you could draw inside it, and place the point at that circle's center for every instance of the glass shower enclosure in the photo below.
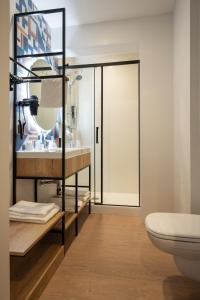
(103, 113)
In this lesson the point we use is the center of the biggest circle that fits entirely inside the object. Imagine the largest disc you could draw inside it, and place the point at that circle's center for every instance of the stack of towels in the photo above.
(25, 211)
(82, 194)
(70, 199)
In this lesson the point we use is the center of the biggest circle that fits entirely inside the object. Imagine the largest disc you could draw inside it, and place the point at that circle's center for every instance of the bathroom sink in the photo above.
(69, 150)
(54, 153)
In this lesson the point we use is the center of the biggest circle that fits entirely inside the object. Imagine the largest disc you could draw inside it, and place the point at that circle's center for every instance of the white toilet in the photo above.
(179, 235)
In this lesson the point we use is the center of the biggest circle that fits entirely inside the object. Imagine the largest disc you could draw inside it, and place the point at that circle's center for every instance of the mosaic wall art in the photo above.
(33, 33)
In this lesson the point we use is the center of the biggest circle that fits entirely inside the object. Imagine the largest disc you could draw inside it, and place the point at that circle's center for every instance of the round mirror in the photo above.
(46, 117)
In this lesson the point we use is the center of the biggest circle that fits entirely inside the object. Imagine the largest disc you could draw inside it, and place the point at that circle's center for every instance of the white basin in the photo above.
(55, 154)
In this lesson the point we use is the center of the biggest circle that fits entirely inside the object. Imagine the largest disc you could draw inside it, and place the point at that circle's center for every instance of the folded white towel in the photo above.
(86, 197)
(32, 208)
(72, 204)
(51, 93)
(69, 203)
(81, 193)
(31, 219)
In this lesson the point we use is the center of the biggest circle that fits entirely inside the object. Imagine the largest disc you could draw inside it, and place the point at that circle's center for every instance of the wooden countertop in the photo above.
(30, 167)
(53, 154)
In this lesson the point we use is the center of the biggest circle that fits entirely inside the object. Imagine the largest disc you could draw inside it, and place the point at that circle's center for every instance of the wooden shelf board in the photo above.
(23, 236)
(30, 274)
(69, 219)
(83, 205)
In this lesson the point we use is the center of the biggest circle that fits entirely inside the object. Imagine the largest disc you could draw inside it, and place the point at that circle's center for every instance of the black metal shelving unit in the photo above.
(27, 257)
(15, 94)
(35, 78)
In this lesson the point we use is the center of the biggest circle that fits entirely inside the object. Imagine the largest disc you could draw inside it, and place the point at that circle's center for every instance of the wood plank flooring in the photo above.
(112, 258)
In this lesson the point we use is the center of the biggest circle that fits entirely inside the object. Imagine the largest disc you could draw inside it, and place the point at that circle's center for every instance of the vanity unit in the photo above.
(36, 165)
(36, 250)
(48, 164)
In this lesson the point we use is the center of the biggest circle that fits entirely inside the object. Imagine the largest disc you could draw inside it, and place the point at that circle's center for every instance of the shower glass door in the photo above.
(105, 99)
(121, 135)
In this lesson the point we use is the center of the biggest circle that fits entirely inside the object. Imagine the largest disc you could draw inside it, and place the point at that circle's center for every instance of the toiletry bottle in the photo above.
(59, 140)
(43, 138)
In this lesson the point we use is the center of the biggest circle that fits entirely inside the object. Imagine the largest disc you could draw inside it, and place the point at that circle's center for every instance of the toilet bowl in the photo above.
(179, 235)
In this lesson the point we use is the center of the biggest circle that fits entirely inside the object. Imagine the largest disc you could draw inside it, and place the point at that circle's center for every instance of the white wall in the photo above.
(181, 60)
(187, 105)
(157, 115)
(4, 157)
(151, 37)
(195, 104)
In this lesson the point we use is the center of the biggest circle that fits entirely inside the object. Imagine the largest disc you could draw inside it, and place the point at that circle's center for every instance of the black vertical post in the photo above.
(94, 162)
(90, 188)
(35, 190)
(14, 113)
(63, 125)
(139, 146)
(76, 202)
(89, 169)
(102, 134)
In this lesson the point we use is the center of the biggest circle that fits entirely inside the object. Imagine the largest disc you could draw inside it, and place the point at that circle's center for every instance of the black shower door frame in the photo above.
(102, 66)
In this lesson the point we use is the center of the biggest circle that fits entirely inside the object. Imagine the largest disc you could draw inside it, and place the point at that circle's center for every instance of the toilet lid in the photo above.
(171, 225)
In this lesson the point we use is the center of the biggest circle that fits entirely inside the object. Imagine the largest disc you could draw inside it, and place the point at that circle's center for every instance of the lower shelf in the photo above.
(23, 236)
(83, 206)
(83, 215)
(31, 273)
(71, 217)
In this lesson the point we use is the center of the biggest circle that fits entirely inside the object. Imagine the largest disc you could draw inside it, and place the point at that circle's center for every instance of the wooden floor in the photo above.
(112, 258)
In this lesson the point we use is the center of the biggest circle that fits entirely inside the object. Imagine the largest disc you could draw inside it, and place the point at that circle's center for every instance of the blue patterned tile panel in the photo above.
(34, 34)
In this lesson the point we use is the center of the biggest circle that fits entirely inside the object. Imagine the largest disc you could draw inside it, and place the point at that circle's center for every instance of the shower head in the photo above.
(79, 77)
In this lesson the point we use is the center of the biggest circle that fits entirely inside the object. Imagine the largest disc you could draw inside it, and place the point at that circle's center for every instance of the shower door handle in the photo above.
(97, 135)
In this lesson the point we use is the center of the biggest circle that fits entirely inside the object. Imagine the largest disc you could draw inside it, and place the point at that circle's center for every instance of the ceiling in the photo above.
(92, 11)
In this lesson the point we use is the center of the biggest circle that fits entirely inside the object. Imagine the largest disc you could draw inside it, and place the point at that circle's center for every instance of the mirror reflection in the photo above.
(47, 116)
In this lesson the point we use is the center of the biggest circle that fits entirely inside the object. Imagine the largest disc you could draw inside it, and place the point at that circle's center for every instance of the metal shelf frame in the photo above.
(15, 96)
